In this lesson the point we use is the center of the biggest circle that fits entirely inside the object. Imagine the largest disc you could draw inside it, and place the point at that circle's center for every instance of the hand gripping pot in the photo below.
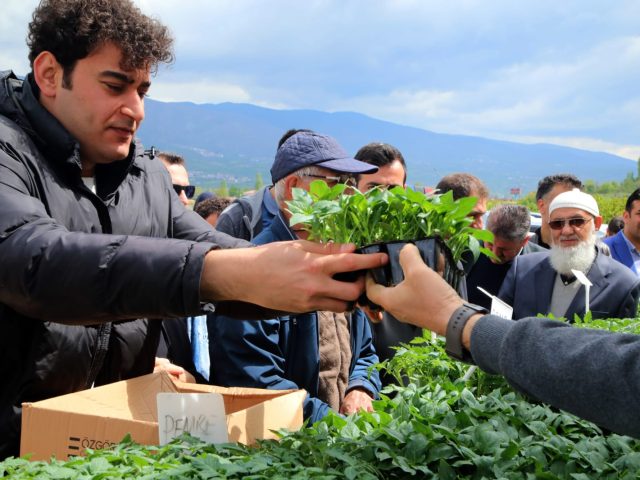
(434, 252)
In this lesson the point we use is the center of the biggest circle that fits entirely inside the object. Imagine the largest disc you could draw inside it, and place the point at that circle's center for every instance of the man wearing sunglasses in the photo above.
(545, 283)
(175, 164)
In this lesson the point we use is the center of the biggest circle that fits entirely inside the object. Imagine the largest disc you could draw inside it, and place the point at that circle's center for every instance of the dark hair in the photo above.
(171, 158)
(72, 29)
(380, 154)
(290, 133)
(463, 185)
(615, 225)
(510, 222)
(547, 183)
(632, 198)
(206, 195)
(212, 205)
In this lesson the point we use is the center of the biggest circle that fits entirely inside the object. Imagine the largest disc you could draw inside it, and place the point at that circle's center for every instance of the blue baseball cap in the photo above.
(308, 148)
(203, 196)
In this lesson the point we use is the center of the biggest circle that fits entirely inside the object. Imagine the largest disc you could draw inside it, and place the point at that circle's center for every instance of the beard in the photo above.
(579, 257)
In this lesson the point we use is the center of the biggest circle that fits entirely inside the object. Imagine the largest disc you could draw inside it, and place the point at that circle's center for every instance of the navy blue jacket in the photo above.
(620, 250)
(283, 352)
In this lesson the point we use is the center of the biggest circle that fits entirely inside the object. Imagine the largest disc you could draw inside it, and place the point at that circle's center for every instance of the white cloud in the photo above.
(539, 69)
(631, 152)
(199, 91)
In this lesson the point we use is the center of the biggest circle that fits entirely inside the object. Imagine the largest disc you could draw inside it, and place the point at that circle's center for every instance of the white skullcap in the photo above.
(575, 199)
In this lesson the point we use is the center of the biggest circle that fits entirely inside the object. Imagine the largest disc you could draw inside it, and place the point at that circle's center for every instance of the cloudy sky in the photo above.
(564, 72)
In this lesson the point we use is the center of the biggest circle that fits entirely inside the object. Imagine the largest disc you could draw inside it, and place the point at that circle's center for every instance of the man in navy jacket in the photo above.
(545, 282)
(298, 350)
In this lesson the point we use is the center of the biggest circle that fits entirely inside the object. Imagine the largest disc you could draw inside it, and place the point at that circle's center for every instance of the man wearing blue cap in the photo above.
(327, 354)
(248, 216)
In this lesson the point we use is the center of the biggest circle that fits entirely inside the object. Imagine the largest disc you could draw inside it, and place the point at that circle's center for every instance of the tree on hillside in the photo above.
(223, 189)
(259, 181)
(236, 191)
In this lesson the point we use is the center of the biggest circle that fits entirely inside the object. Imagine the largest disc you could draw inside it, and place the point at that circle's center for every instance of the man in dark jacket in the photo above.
(328, 355)
(547, 283)
(510, 227)
(92, 235)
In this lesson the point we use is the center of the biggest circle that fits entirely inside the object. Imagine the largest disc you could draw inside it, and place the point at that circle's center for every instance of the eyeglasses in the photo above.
(576, 222)
(347, 179)
(189, 190)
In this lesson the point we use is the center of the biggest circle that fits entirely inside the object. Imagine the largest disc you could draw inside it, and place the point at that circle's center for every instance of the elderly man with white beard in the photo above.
(545, 283)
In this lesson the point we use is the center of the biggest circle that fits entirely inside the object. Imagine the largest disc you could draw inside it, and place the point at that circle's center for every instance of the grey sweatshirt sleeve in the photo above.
(591, 373)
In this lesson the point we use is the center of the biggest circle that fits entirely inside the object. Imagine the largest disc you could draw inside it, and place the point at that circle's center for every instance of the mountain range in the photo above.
(234, 142)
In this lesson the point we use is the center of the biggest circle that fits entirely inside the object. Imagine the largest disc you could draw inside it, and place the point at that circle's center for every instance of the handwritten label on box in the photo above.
(200, 414)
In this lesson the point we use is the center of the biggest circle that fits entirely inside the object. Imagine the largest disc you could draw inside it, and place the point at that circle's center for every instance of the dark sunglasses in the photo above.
(577, 222)
(189, 190)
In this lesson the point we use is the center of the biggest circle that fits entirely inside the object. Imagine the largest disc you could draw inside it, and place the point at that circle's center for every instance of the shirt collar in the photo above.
(270, 202)
(632, 247)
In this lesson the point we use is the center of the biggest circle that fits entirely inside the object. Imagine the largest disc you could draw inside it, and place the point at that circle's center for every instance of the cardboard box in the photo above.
(102, 416)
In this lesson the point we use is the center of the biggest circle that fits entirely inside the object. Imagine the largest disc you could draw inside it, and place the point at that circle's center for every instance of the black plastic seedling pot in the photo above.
(434, 252)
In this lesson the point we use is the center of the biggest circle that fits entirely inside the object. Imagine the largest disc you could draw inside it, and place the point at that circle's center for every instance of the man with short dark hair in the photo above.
(326, 354)
(625, 245)
(388, 333)
(615, 225)
(211, 208)
(94, 243)
(548, 189)
(392, 169)
(546, 282)
(177, 168)
(467, 185)
(510, 227)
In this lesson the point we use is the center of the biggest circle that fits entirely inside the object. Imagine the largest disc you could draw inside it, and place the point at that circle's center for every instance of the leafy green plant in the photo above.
(442, 424)
(381, 215)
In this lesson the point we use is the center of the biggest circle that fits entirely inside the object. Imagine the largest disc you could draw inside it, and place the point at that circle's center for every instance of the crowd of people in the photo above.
(107, 274)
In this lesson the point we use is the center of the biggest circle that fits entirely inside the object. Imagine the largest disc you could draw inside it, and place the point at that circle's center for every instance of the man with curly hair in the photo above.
(92, 235)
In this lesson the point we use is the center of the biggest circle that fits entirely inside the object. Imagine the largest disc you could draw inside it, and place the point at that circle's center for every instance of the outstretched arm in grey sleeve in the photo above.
(591, 373)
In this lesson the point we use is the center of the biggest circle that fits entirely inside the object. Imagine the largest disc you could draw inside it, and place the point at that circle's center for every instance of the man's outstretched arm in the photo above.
(591, 373)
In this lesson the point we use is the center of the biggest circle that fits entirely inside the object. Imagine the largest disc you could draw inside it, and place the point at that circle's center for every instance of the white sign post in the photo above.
(582, 278)
(498, 307)
(200, 414)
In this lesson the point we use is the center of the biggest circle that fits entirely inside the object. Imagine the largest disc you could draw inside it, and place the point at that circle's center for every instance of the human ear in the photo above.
(597, 222)
(47, 73)
(291, 182)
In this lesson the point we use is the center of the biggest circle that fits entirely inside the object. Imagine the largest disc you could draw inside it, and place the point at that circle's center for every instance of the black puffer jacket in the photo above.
(77, 269)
